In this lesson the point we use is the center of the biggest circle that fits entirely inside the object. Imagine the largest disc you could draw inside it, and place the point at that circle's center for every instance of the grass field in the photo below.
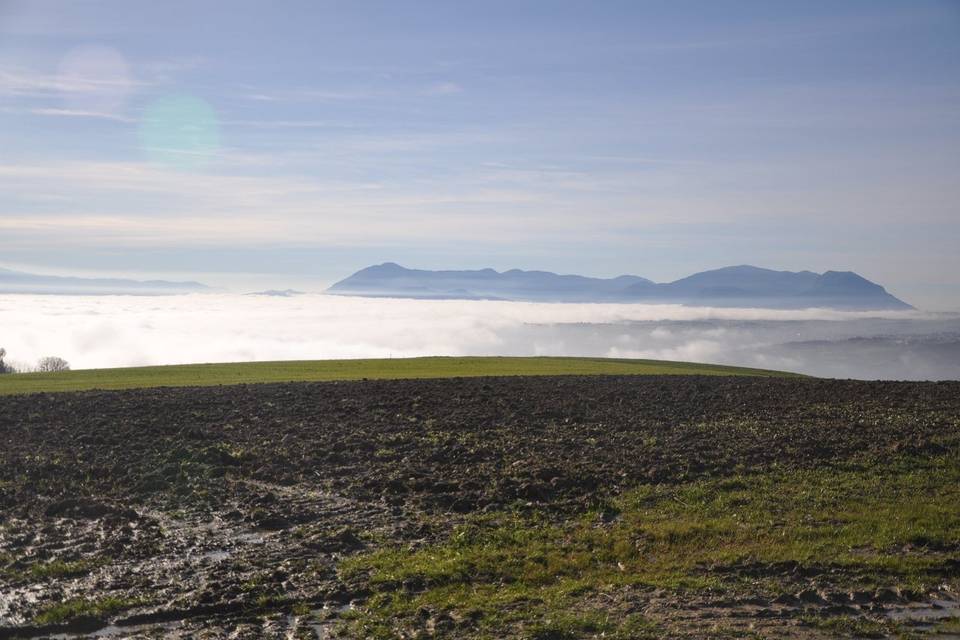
(665, 537)
(320, 370)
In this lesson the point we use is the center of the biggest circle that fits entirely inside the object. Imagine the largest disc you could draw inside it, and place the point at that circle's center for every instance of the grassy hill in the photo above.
(321, 370)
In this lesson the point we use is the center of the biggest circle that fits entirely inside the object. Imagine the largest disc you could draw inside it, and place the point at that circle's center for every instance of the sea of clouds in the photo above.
(110, 331)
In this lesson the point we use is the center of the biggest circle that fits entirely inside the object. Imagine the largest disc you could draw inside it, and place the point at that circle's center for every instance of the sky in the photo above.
(259, 144)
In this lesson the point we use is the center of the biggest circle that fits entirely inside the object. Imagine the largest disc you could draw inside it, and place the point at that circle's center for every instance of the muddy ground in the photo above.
(223, 511)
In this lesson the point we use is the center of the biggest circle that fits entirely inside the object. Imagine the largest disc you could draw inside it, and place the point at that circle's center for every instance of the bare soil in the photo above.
(223, 511)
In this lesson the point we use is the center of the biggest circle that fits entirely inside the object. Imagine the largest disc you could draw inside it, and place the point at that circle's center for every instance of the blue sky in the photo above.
(295, 142)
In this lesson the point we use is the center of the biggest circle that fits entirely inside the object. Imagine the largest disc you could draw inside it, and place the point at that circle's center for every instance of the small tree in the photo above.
(3, 365)
(52, 363)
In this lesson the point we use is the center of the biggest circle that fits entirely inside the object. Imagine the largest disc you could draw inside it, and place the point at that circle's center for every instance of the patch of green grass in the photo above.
(507, 570)
(561, 625)
(44, 570)
(268, 601)
(82, 607)
(858, 626)
(325, 370)
(60, 569)
(950, 625)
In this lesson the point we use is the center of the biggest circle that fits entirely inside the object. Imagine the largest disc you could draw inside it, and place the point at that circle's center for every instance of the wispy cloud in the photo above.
(275, 197)
(350, 94)
(74, 113)
(290, 124)
(309, 94)
(22, 82)
(259, 208)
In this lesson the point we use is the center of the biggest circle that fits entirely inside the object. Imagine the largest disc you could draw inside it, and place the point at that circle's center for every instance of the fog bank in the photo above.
(109, 331)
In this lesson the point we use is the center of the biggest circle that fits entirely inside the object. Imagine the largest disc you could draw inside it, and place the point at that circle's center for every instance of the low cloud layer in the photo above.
(109, 331)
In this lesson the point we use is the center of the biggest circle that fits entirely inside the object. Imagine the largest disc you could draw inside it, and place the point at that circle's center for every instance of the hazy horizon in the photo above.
(255, 283)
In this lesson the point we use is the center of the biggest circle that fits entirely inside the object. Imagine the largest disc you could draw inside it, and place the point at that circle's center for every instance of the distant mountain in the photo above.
(277, 293)
(19, 282)
(740, 286)
(390, 279)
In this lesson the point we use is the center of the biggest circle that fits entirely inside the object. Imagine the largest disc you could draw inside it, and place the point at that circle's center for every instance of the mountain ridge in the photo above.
(734, 286)
(21, 282)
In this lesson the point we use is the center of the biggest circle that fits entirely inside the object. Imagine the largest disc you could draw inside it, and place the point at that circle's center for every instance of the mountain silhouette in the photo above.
(20, 282)
(737, 286)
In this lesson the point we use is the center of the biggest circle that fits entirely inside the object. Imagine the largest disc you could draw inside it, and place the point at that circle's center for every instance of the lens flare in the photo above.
(181, 132)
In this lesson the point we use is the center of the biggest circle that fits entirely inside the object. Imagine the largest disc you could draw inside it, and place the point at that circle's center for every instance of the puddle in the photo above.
(189, 551)
(250, 538)
(113, 631)
(327, 619)
(926, 611)
(107, 632)
(217, 555)
(321, 621)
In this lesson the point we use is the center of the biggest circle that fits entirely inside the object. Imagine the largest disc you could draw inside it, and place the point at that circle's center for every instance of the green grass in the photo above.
(101, 608)
(46, 570)
(951, 625)
(61, 569)
(321, 370)
(510, 570)
(856, 627)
